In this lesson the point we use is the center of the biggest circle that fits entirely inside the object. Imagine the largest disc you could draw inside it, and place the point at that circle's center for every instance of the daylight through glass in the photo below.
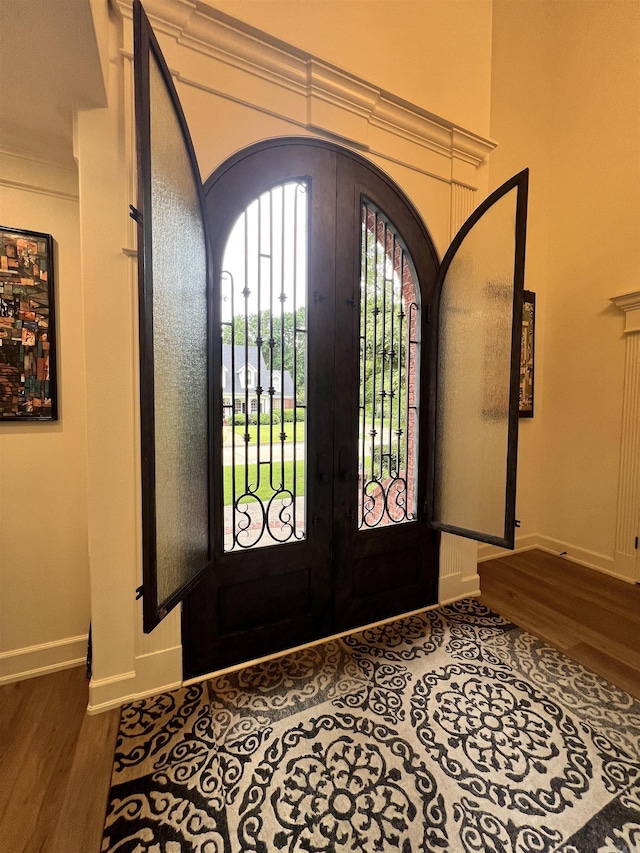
(264, 393)
(389, 376)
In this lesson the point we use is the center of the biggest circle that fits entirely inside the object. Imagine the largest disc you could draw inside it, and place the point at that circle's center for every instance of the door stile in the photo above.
(521, 181)
(347, 314)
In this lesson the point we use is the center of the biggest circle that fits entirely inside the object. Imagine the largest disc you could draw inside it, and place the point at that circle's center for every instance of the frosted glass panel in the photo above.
(474, 375)
(179, 350)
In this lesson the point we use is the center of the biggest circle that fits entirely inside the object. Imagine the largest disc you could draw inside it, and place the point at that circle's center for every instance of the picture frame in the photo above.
(28, 388)
(527, 354)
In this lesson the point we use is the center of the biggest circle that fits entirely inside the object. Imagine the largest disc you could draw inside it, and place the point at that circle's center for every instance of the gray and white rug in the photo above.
(452, 731)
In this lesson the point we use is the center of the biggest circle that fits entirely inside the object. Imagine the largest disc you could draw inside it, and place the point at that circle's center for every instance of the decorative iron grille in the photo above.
(264, 342)
(389, 363)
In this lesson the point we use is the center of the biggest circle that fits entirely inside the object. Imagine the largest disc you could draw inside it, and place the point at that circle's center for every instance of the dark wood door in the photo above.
(385, 554)
(333, 570)
(271, 588)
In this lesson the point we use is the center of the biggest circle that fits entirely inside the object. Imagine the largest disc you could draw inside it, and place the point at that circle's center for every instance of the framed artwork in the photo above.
(525, 408)
(27, 327)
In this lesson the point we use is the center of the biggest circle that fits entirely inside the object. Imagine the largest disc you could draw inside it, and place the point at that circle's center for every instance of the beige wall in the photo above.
(565, 96)
(555, 85)
(433, 53)
(44, 580)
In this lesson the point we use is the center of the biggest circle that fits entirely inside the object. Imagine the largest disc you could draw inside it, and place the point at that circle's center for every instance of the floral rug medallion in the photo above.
(452, 730)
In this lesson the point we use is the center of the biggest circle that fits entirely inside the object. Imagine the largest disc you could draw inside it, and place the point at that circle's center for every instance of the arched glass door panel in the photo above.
(389, 375)
(263, 286)
(172, 286)
(481, 284)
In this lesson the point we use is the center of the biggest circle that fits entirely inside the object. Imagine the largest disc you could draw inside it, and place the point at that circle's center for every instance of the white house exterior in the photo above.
(249, 387)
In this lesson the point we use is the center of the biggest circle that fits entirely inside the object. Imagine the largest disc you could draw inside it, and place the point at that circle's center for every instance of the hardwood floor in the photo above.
(591, 617)
(55, 760)
(55, 765)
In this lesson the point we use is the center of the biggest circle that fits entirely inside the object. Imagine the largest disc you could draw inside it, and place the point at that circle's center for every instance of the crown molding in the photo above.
(30, 172)
(325, 87)
(629, 303)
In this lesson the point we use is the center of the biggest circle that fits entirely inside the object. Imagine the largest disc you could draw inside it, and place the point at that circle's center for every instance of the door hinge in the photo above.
(134, 213)
(517, 522)
(636, 543)
(139, 592)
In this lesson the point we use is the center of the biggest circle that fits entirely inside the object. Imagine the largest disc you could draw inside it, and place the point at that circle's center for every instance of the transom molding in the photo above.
(324, 87)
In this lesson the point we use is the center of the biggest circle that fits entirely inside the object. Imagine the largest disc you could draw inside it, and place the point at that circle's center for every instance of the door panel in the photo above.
(480, 284)
(265, 599)
(342, 572)
(172, 278)
(384, 568)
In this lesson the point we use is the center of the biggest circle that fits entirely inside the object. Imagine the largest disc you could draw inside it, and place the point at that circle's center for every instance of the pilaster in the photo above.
(626, 560)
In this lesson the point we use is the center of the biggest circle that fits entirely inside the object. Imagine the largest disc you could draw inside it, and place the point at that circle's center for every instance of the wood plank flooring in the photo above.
(55, 761)
(591, 617)
(55, 765)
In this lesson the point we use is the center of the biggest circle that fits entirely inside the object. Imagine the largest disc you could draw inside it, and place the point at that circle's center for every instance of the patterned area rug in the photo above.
(452, 730)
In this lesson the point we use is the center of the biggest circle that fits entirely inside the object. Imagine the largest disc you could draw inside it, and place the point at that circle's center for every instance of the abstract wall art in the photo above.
(526, 355)
(27, 327)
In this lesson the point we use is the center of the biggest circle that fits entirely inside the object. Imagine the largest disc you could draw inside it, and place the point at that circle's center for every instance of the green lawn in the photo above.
(265, 432)
(265, 491)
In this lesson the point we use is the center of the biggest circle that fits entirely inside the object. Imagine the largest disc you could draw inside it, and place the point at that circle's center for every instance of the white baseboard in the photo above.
(455, 587)
(582, 556)
(523, 543)
(590, 559)
(154, 673)
(18, 664)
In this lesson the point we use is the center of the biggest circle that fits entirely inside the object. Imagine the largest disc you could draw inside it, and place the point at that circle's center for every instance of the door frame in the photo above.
(264, 165)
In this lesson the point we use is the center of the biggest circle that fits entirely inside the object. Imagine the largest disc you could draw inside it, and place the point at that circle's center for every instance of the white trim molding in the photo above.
(154, 673)
(573, 553)
(458, 568)
(629, 303)
(626, 554)
(260, 69)
(28, 173)
(462, 204)
(42, 659)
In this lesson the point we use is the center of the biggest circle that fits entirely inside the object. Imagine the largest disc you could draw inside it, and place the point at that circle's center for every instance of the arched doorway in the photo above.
(321, 522)
(404, 371)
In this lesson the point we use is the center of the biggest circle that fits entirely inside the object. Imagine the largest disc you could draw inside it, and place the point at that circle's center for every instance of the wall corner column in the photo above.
(626, 559)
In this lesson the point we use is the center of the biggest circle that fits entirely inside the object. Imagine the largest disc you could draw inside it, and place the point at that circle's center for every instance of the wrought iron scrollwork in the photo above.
(264, 334)
(389, 323)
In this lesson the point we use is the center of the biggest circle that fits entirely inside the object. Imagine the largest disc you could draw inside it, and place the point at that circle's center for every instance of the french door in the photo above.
(317, 468)
(320, 397)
